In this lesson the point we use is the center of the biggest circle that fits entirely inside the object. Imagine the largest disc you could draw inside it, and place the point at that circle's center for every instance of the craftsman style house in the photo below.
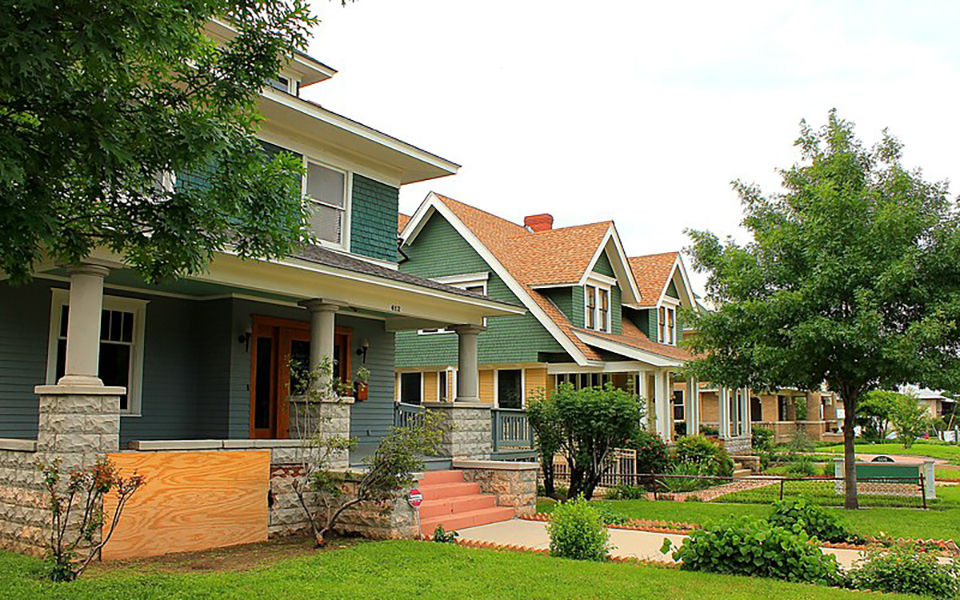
(95, 361)
(594, 315)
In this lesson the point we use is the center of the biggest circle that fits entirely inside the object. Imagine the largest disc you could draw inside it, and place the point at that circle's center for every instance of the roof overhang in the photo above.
(411, 164)
(628, 351)
(407, 305)
(687, 297)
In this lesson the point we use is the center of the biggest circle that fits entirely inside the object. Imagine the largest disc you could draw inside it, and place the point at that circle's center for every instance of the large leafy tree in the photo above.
(852, 278)
(103, 104)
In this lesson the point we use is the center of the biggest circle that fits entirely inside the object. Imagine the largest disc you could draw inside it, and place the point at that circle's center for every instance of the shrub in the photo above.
(652, 453)
(762, 439)
(577, 531)
(705, 452)
(906, 570)
(682, 484)
(709, 431)
(755, 548)
(800, 515)
(626, 492)
(802, 467)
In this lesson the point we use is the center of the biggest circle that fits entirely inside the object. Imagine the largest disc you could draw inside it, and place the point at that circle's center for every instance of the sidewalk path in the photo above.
(644, 545)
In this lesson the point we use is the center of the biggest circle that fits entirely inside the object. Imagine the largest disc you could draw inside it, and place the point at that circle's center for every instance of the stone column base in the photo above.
(467, 430)
(329, 418)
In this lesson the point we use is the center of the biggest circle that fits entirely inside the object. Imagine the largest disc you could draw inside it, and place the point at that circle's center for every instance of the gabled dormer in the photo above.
(665, 288)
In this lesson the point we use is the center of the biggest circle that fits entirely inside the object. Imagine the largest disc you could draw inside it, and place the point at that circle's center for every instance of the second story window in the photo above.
(591, 307)
(326, 190)
(603, 306)
(597, 308)
(667, 325)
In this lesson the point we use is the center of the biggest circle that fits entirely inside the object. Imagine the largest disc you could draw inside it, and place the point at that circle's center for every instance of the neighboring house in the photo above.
(595, 316)
(202, 363)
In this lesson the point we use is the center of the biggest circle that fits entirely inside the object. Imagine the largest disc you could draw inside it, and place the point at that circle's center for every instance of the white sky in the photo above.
(639, 112)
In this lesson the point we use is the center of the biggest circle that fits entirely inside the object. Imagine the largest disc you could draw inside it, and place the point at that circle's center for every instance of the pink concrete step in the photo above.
(471, 518)
(456, 505)
(448, 490)
(438, 477)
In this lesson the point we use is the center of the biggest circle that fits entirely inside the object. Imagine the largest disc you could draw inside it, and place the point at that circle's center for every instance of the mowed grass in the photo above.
(951, 453)
(404, 569)
(896, 522)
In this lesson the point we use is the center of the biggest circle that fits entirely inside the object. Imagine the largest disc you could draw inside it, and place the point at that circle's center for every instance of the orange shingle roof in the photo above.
(402, 221)
(550, 257)
(632, 336)
(652, 273)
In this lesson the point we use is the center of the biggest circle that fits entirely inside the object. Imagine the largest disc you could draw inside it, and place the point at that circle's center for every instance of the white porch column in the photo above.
(468, 366)
(322, 330)
(746, 412)
(644, 393)
(723, 410)
(693, 406)
(661, 399)
(83, 325)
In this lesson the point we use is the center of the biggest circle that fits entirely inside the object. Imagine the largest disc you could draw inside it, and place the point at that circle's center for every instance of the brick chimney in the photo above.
(536, 223)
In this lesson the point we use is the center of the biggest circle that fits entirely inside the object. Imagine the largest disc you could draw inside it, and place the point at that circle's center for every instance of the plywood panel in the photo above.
(192, 501)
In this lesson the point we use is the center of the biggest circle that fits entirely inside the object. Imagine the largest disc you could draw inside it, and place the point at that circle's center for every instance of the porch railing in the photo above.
(407, 415)
(511, 430)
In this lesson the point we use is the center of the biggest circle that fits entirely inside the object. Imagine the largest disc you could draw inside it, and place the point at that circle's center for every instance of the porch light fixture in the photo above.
(362, 350)
(244, 339)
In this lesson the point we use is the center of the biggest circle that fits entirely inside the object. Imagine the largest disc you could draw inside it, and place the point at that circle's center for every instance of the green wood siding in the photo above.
(440, 251)
(562, 297)
(603, 266)
(616, 318)
(672, 291)
(373, 220)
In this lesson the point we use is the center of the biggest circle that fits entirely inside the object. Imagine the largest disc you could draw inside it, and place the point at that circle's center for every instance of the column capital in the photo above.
(88, 269)
(321, 305)
(467, 329)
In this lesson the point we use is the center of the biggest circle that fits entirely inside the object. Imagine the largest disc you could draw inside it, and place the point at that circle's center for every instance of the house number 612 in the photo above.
(395, 307)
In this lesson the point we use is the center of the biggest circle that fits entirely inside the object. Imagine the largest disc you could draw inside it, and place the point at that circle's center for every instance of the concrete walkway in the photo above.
(644, 545)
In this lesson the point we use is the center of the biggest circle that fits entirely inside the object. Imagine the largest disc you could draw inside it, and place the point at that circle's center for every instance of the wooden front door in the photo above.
(276, 345)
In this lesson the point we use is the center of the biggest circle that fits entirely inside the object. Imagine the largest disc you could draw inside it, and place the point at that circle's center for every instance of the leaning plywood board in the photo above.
(191, 501)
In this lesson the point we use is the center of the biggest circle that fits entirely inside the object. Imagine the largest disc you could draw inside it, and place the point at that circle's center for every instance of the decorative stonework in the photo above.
(738, 445)
(467, 430)
(335, 416)
(513, 483)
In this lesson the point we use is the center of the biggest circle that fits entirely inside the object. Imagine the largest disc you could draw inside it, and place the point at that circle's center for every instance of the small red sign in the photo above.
(414, 498)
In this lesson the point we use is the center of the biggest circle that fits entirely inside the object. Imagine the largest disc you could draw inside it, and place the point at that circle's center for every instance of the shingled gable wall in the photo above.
(438, 251)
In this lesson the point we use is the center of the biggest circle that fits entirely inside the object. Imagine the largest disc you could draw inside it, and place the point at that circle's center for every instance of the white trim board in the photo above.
(628, 351)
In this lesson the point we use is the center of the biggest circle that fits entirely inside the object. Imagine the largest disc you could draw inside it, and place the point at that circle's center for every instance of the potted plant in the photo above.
(360, 384)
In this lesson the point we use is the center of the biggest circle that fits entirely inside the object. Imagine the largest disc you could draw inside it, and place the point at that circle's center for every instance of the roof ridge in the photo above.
(480, 210)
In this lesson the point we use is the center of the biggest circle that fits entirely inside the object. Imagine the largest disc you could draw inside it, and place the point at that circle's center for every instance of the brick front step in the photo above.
(471, 518)
(448, 490)
(456, 505)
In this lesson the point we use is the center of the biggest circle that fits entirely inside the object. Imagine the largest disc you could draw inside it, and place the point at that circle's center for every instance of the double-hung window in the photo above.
(603, 306)
(597, 309)
(326, 190)
(121, 345)
(667, 325)
(591, 311)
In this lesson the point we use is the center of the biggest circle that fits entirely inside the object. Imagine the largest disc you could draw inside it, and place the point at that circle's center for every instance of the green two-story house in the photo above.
(594, 315)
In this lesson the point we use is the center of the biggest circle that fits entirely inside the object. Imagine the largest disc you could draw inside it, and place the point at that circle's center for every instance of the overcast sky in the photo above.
(639, 112)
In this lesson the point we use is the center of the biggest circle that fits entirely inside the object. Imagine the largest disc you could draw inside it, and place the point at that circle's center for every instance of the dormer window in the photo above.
(597, 308)
(285, 84)
(667, 325)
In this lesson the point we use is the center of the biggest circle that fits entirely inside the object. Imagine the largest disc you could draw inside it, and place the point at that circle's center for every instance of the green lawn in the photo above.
(951, 453)
(411, 569)
(948, 473)
(897, 522)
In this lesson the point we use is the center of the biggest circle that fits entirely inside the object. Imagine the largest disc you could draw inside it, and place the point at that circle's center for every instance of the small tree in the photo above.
(875, 413)
(545, 422)
(910, 419)
(77, 516)
(591, 422)
(324, 492)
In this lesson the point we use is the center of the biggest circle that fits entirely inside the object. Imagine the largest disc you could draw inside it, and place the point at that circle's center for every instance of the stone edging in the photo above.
(545, 552)
(635, 525)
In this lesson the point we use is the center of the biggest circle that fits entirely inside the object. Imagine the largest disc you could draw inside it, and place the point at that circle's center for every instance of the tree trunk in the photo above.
(549, 485)
(849, 454)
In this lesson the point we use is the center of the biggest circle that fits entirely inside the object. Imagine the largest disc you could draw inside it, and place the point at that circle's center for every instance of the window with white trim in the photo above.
(509, 388)
(581, 381)
(326, 191)
(411, 388)
(678, 406)
(121, 345)
(667, 325)
(597, 309)
(447, 385)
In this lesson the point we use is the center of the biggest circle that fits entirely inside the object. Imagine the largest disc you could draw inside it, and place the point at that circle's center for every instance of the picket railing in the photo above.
(407, 415)
(511, 430)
